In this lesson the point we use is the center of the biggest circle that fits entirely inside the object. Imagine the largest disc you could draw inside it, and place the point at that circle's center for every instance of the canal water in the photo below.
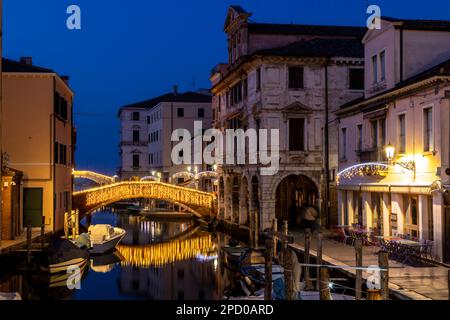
(157, 259)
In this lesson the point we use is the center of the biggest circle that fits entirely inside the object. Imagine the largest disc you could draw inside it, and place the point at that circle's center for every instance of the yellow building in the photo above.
(38, 140)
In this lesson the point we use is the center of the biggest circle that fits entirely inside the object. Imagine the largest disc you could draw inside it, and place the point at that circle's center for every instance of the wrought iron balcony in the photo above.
(375, 154)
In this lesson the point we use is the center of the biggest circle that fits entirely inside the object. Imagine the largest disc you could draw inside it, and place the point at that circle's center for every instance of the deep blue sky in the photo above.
(131, 50)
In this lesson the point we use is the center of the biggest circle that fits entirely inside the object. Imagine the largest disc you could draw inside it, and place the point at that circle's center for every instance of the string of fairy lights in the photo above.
(145, 189)
(157, 255)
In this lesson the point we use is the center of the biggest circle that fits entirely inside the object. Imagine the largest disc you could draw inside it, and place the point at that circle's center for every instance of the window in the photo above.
(382, 132)
(56, 153)
(135, 135)
(374, 125)
(356, 78)
(60, 106)
(374, 69)
(295, 77)
(180, 112)
(401, 133)
(427, 129)
(244, 87)
(148, 119)
(157, 135)
(383, 65)
(201, 112)
(62, 154)
(258, 79)
(359, 137)
(135, 116)
(344, 143)
(297, 134)
(135, 161)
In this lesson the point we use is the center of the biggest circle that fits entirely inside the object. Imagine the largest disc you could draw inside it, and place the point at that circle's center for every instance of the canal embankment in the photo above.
(425, 282)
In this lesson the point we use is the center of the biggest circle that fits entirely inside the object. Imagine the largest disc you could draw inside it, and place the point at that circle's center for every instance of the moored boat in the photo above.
(61, 255)
(104, 238)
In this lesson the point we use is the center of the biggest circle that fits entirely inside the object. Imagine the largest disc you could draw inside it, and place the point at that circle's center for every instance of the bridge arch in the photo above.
(198, 202)
(93, 176)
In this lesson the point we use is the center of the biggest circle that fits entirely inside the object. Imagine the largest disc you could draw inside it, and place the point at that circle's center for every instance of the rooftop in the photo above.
(319, 48)
(170, 97)
(421, 24)
(9, 65)
(317, 30)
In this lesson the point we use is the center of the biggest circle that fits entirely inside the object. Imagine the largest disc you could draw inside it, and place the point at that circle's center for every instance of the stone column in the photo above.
(385, 214)
(350, 209)
(422, 219)
(367, 211)
(438, 236)
(341, 205)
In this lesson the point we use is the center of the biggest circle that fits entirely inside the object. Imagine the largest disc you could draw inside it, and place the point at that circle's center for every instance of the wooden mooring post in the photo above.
(275, 239)
(358, 258)
(319, 258)
(268, 269)
(383, 263)
(288, 272)
(308, 283)
(324, 287)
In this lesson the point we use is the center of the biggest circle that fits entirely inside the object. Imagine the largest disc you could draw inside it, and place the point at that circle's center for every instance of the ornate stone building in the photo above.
(281, 76)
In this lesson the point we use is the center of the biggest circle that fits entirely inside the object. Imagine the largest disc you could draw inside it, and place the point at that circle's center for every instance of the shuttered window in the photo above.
(297, 134)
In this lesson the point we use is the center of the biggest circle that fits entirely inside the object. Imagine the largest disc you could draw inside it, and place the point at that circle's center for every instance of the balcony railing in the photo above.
(133, 143)
(376, 154)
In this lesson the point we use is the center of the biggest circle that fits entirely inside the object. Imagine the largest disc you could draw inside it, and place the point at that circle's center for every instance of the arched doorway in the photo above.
(235, 200)
(292, 193)
(244, 205)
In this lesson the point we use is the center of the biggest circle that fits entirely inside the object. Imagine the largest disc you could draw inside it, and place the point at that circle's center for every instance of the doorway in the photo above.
(32, 207)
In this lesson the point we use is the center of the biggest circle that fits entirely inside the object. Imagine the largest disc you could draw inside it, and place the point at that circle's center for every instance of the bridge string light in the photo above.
(157, 255)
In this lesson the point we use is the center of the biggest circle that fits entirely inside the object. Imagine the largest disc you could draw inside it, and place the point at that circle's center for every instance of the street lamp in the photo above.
(389, 152)
(189, 168)
(215, 167)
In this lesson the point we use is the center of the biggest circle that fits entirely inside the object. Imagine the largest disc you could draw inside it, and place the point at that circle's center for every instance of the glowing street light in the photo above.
(389, 151)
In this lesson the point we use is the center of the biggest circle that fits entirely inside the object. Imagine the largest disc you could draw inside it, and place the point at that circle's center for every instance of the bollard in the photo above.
(308, 283)
(383, 263)
(358, 257)
(268, 270)
(319, 257)
(324, 288)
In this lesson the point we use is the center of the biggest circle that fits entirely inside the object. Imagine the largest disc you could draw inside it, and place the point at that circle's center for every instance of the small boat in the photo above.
(61, 255)
(104, 238)
(10, 296)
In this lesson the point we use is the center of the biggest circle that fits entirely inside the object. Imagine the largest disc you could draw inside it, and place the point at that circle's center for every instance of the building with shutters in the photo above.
(38, 140)
(281, 76)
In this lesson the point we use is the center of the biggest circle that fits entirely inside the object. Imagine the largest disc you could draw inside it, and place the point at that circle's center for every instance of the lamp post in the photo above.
(389, 149)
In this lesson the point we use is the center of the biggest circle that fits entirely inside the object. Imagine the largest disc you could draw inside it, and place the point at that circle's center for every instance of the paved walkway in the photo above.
(405, 282)
(7, 245)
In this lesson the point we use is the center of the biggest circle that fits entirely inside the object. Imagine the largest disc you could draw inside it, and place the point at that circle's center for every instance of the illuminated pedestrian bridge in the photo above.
(93, 176)
(198, 202)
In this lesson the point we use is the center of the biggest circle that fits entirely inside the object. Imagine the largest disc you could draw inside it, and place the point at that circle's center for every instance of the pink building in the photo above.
(406, 108)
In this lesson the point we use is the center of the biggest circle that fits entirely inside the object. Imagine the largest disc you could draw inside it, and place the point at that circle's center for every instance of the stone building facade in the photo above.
(146, 128)
(281, 77)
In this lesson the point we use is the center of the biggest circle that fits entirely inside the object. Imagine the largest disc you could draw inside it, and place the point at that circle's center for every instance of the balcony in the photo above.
(134, 143)
(375, 154)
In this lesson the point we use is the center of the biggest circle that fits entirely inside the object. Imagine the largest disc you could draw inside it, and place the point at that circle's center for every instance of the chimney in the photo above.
(65, 79)
(26, 60)
(175, 89)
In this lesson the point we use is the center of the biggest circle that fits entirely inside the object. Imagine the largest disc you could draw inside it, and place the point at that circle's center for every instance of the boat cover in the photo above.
(100, 232)
(60, 250)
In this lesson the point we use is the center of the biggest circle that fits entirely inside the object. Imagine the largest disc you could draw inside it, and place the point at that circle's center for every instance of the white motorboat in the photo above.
(104, 238)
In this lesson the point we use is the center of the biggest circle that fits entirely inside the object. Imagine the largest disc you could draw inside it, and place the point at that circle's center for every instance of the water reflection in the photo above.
(156, 260)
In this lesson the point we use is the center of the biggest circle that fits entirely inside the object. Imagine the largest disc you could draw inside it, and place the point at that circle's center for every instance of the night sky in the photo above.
(132, 50)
